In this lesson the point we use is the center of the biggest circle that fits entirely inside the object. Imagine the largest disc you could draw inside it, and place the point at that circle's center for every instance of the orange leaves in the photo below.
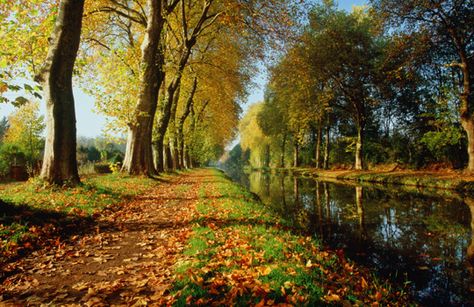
(144, 259)
(332, 298)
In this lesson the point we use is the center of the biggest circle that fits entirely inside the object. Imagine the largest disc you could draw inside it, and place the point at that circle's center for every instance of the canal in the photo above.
(418, 238)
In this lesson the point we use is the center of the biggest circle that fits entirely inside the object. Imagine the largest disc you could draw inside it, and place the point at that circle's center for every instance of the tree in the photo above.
(59, 163)
(139, 155)
(449, 25)
(24, 28)
(25, 130)
(273, 121)
(252, 137)
(3, 128)
(345, 51)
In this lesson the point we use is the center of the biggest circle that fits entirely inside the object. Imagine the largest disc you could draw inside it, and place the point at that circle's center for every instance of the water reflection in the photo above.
(403, 235)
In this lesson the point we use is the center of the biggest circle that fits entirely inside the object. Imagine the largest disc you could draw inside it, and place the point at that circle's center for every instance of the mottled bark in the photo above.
(139, 155)
(59, 162)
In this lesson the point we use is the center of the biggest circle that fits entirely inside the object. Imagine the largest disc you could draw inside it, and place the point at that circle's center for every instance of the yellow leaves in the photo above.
(264, 271)
(332, 298)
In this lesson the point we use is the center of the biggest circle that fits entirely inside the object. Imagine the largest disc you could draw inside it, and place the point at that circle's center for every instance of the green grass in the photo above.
(240, 253)
(94, 193)
(29, 207)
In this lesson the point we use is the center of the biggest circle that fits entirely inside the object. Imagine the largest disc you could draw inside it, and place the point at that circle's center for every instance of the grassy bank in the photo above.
(451, 180)
(33, 215)
(239, 253)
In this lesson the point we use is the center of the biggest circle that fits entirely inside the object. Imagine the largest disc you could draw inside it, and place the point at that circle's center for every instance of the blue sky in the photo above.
(90, 124)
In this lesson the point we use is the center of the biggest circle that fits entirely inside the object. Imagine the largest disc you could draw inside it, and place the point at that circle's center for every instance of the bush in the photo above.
(102, 168)
(10, 155)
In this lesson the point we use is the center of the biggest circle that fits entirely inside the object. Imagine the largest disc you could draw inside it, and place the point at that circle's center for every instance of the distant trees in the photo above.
(25, 130)
(448, 28)
(390, 83)
(22, 141)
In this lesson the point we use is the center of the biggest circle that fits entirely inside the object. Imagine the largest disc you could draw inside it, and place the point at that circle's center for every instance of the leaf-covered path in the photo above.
(129, 257)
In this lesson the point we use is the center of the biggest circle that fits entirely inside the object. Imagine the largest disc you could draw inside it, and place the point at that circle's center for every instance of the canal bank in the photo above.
(451, 180)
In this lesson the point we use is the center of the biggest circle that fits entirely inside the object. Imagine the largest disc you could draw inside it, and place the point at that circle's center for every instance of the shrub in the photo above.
(102, 168)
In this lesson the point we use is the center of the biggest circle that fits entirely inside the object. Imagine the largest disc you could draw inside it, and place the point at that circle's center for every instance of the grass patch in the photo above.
(31, 213)
(241, 254)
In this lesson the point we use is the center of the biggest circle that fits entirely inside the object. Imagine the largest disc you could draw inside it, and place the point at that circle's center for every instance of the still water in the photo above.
(415, 237)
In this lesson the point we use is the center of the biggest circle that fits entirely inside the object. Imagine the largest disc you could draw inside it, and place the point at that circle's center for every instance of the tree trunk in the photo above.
(172, 129)
(173, 151)
(467, 105)
(326, 148)
(59, 162)
(318, 145)
(168, 158)
(267, 156)
(167, 109)
(283, 149)
(185, 155)
(296, 153)
(159, 157)
(190, 160)
(359, 151)
(188, 44)
(139, 155)
(182, 120)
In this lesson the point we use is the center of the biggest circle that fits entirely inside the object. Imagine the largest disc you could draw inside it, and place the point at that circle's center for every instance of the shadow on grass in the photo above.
(26, 229)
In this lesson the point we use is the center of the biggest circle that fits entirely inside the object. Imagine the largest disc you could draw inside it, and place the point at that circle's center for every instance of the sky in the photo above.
(90, 124)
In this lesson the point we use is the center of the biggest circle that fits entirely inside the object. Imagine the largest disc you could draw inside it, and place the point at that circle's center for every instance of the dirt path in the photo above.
(127, 261)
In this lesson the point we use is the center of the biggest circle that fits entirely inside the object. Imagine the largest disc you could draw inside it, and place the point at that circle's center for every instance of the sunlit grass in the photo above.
(239, 245)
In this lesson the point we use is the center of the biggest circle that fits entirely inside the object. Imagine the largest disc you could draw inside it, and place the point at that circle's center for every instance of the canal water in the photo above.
(418, 238)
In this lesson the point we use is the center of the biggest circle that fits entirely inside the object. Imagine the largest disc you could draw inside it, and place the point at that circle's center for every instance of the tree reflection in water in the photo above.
(400, 234)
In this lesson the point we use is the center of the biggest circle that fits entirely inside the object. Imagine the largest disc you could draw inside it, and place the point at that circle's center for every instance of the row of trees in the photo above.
(169, 72)
(387, 83)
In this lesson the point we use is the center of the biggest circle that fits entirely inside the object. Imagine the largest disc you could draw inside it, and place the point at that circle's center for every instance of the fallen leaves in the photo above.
(138, 255)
